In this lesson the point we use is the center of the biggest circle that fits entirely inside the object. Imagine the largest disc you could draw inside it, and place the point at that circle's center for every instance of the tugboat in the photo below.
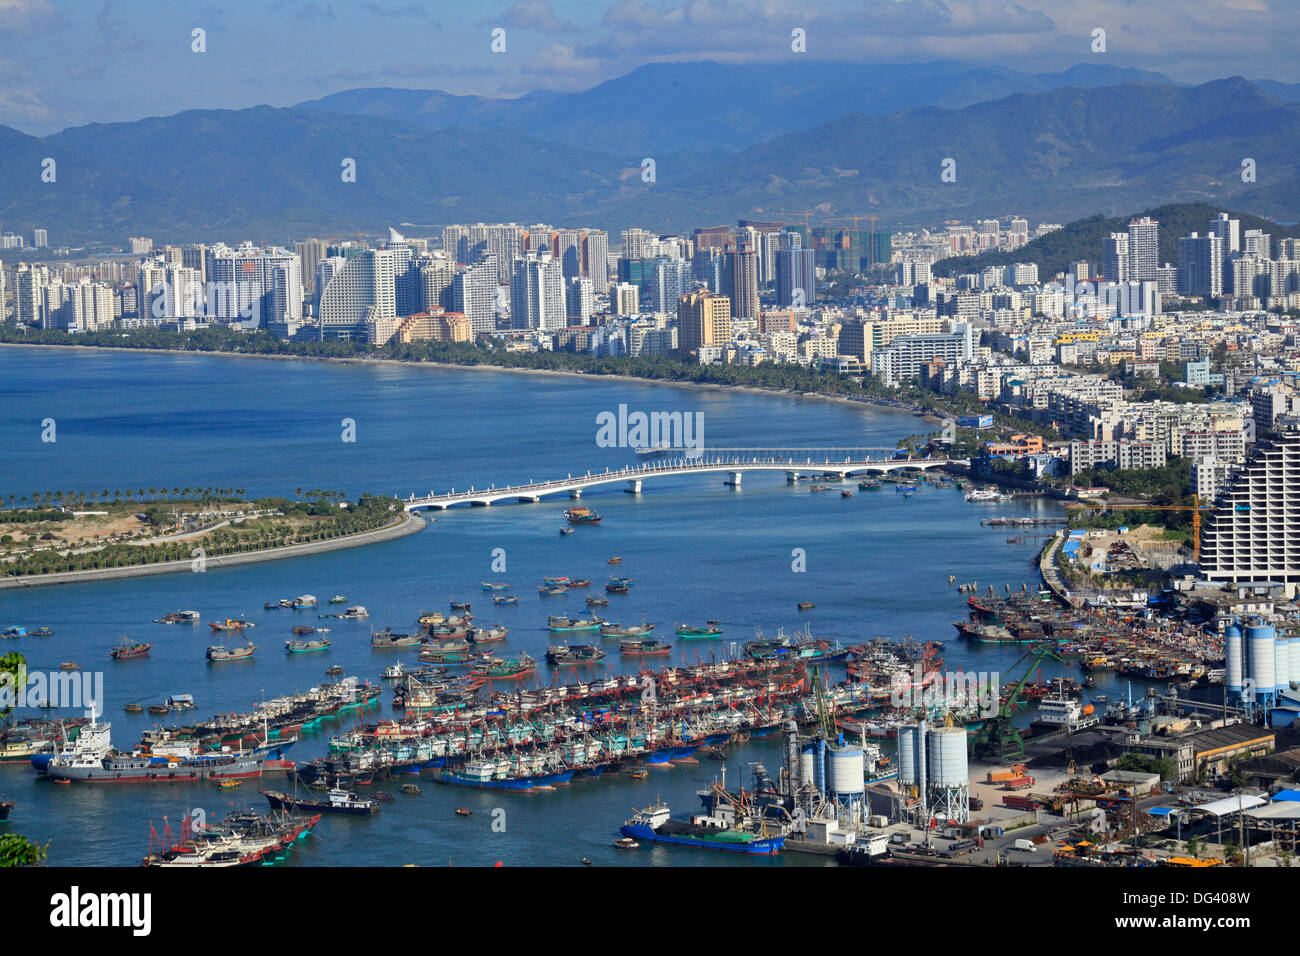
(655, 824)
(335, 800)
(128, 649)
(219, 652)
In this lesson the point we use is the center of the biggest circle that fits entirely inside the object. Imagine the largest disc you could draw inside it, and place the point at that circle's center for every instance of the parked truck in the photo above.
(1026, 845)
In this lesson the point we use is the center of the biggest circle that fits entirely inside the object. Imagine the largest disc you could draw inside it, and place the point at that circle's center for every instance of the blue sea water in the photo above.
(876, 564)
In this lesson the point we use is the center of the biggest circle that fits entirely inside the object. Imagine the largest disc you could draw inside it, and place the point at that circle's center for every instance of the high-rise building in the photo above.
(29, 293)
(1200, 266)
(740, 281)
(1253, 533)
(703, 319)
(40, 239)
(365, 289)
(537, 294)
(634, 241)
(310, 252)
(1115, 264)
(580, 301)
(254, 287)
(1229, 230)
(474, 295)
(595, 260)
(624, 299)
(436, 279)
(1143, 249)
(796, 277)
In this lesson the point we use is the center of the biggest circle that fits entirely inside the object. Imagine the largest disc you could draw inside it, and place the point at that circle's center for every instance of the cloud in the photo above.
(20, 16)
(534, 15)
(313, 11)
(22, 105)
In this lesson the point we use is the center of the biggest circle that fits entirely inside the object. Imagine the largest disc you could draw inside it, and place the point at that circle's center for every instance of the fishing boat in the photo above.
(698, 633)
(338, 599)
(565, 530)
(656, 825)
(614, 560)
(178, 617)
(306, 647)
(806, 605)
(230, 624)
(229, 784)
(304, 601)
(563, 654)
(643, 647)
(640, 773)
(219, 652)
(869, 485)
(464, 812)
(488, 635)
(460, 605)
(181, 702)
(556, 579)
(302, 629)
(430, 618)
(523, 772)
(334, 670)
(133, 709)
(159, 709)
(626, 843)
(70, 666)
(503, 668)
(636, 630)
(505, 599)
(394, 671)
(580, 514)
(386, 639)
(846, 494)
(546, 590)
(244, 838)
(128, 649)
(494, 585)
(335, 800)
(614, 587)
(452, 657)
(41, 632)
(560, 623)
(410, 788)
(595, 600)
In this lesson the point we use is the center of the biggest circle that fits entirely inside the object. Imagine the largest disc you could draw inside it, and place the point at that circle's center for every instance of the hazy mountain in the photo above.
(275, 173)
(665, 107)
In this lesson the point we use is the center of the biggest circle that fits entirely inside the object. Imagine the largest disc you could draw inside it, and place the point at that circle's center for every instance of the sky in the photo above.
(70, 62)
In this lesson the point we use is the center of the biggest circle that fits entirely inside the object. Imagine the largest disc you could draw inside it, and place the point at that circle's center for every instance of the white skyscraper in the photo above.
(364, 288)
(537, 295)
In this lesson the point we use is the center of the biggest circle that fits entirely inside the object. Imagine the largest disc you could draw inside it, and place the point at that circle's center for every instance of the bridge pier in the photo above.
(533, 499)
(633, 486)
(791, 477)
(734, 479)
(575, 493)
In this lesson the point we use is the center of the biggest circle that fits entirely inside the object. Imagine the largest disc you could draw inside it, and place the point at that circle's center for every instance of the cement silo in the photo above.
(949, 778)
(1232, 649)
(846, 779)
(1260, 661)
(1281, 663)
(909, 757)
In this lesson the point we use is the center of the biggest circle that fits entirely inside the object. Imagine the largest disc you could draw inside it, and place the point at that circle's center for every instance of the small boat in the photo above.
(546, 590)
(640, 773)
(14, 630)
(580, 514)
(334, 670)
(306, 647)
(230, 624)
(643, 647)
(383, 796)
(616, 587)
(304, 601)
(41, 632)
(494, 586)
(70, 666)
(505, 599)
(596, 600)
(410, 788)
(460, 605)
(626, 843)
(338, 599)
(394, 671)
(555, 579)
(219, 652)
(580, 583)
(697, 633)
(228, 784)
(302, 629)
(128, 649)
(159, 709)
(846, 494)
(133, 709)
(181, 702)
(463, 812)
(586, 861)
(614, 560)
(430, 618)
(806, 605)
(178, 617)
(565, 530)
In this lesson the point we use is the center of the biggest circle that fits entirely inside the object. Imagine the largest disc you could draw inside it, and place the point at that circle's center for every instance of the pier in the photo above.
(734, 462)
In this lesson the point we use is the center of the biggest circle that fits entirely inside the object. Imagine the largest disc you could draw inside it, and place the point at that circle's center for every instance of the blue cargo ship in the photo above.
(656, 825)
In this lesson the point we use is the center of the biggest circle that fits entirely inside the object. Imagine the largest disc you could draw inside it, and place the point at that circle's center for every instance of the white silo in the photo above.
(807, 754)
(1232, 654)
(949, 779)
(908, 774)
(846, 779)
(1259, 644)
(1281, 663)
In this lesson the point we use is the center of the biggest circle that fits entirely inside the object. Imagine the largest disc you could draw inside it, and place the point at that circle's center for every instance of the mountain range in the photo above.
(865, 140)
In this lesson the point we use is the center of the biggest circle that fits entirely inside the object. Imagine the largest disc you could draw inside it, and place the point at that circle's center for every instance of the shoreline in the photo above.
(409, 523)
(381, 362)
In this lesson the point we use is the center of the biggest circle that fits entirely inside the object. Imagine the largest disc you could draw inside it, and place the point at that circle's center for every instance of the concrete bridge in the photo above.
(794, 462)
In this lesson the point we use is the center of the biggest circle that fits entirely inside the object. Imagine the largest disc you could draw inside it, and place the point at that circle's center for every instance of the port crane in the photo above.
(999, 739)
(1195, 508)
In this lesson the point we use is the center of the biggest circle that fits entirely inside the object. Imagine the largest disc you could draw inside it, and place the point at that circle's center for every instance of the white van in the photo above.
(1027, 845)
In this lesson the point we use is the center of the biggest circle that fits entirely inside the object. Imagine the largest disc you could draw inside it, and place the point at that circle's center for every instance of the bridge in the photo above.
(795, 462)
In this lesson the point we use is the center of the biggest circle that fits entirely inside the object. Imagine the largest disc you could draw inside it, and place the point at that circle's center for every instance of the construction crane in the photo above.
(1195, 508)
(998, 739)
(807, 215)
(871, 243)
